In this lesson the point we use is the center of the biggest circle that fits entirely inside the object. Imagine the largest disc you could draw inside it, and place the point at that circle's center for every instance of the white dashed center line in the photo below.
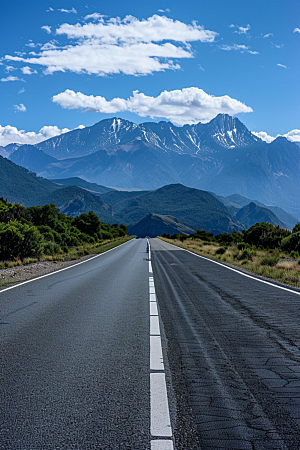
(159, 406)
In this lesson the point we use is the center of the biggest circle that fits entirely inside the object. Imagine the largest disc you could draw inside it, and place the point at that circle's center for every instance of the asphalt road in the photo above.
(122, 353)
(233, 347)
(75, 357)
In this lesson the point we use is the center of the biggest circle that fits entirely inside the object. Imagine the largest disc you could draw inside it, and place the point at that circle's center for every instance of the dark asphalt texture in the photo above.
(233, 347)
(74, 357)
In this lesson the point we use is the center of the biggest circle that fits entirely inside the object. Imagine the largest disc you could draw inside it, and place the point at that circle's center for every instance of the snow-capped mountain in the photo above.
(222, 156)
(222, 132)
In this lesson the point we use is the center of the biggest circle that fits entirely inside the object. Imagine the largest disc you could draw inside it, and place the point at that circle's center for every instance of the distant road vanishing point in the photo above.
(157, 350)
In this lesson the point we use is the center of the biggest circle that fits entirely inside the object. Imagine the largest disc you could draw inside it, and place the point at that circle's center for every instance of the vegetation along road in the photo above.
(175, 352)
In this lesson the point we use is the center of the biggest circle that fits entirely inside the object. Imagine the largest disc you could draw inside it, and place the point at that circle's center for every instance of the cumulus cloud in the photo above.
(47, 28)
(264, 136)
(30, 44)
(11, 78)
(68, 11)
(9, 68)
(130, 46)
(11, 135)
(293, 136)
(20, 108)
(268, 35)
(189, 105)
(27, 70)
(296, 30)
(49, 9)
(243, 30)
(282, 65)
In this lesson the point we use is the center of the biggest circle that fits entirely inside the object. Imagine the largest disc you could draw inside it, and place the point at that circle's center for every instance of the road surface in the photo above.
(233, 352)
(120, 352)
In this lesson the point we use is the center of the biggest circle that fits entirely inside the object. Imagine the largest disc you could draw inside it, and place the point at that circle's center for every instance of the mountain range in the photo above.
(222, 156)
(172, 209)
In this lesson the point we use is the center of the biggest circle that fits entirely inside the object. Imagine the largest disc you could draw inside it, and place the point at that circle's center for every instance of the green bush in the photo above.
(242, 245)
(291, 243)
(220, 251)
(271, 261)
(19, 240)
(245, 255)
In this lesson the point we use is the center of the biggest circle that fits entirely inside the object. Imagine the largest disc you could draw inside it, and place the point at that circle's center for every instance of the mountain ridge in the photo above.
(222, 156)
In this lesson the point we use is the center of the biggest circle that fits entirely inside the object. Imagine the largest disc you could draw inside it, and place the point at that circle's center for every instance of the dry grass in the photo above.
(73, 253)
(271, 264)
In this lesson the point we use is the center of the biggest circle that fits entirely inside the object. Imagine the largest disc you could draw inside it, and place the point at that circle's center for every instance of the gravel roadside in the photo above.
(14, 275)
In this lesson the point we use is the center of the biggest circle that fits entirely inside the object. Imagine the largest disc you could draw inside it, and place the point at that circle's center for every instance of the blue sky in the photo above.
(69, 63)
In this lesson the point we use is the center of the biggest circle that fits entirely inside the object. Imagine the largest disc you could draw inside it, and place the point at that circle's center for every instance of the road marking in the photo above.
(150, 267)
(160, 417)
(153, 309)
(156, 356)
(154, 326)
(238, 271)
(152, 297)
(162, 445)
(160, 426)
(61, 270)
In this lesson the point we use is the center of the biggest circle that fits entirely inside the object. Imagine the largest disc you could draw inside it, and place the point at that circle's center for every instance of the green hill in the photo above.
(157, 224)
(77, 181)
(251, 214)
(196, 208)
(18, 185)
(73, 201)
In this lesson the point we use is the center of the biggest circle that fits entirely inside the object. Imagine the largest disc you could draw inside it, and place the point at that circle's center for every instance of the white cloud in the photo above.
(164, 10)
(277, 45)
(282, 65)
(47, 28)
(268, 35)
(9, 68)
(243, 30)
(130, 46)
(10, 78)
(296, 30)
(68, 11)
(240, 29)
(49, 9)
(252, 52)
(10, 135)
(94, 16)
(293, 136)
(30, 44)
(20, 108)
(238, 47)
(132, 30)
(27, 70)
(189, 105)
(21, 91)
(264, 136)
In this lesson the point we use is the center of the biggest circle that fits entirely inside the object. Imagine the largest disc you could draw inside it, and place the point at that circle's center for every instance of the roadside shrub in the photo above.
(245, 255)
(242, 245)
(18, 240)
(220, 251)
(271, 261)
(291, 242)
(294, 254)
